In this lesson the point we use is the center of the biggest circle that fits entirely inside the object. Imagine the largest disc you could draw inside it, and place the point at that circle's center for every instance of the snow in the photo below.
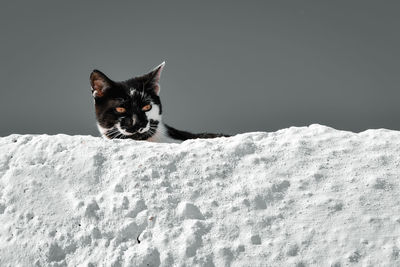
(307, 196)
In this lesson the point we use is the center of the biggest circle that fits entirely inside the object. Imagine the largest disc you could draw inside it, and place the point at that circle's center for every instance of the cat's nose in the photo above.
(126, 122)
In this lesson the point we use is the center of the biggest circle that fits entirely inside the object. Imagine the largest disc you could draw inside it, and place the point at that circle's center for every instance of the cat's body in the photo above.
(132, 109)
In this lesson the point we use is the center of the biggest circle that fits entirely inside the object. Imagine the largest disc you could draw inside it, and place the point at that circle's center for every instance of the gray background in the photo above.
(231, 67)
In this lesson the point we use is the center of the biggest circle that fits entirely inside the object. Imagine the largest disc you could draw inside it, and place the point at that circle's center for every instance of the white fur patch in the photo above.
(134, 118)
(154, 113)
(161, 136)
(102, 130)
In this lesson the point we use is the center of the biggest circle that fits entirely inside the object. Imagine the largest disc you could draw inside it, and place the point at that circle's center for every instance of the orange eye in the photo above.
(120, 109)
(146, 108)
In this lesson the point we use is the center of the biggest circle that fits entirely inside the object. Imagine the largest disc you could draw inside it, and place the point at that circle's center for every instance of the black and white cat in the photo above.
(131, 109)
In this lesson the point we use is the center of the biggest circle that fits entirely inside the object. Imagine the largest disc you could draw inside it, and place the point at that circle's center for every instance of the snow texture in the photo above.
(308, 196)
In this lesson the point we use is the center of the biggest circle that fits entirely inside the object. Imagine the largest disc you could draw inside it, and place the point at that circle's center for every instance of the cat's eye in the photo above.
(120, 110)
(146, 108)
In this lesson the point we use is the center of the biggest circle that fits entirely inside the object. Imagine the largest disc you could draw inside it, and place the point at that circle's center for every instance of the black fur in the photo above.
(182, 135)
(132, 95)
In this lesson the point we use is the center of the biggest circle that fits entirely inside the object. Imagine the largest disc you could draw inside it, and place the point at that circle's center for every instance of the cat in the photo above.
(132, 109)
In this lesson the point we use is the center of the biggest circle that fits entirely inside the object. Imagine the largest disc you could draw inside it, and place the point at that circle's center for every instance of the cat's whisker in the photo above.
(153, 130)
(115, 134)
(112, 132)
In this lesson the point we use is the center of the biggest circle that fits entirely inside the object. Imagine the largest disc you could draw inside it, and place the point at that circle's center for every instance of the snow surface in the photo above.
(309, 196)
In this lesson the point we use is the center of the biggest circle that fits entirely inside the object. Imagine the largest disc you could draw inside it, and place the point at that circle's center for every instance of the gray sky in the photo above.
(231, 67)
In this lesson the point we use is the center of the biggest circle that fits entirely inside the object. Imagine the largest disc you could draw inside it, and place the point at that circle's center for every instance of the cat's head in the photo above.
(127, 109)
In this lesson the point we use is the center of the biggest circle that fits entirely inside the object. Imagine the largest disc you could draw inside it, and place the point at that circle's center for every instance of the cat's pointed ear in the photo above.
(153, 78)
(99, 82)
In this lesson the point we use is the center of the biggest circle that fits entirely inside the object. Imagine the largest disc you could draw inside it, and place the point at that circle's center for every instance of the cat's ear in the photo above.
(153, 78)
(99, 82)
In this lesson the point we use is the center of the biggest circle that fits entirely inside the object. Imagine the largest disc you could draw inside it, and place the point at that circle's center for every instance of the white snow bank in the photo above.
(310, 196)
